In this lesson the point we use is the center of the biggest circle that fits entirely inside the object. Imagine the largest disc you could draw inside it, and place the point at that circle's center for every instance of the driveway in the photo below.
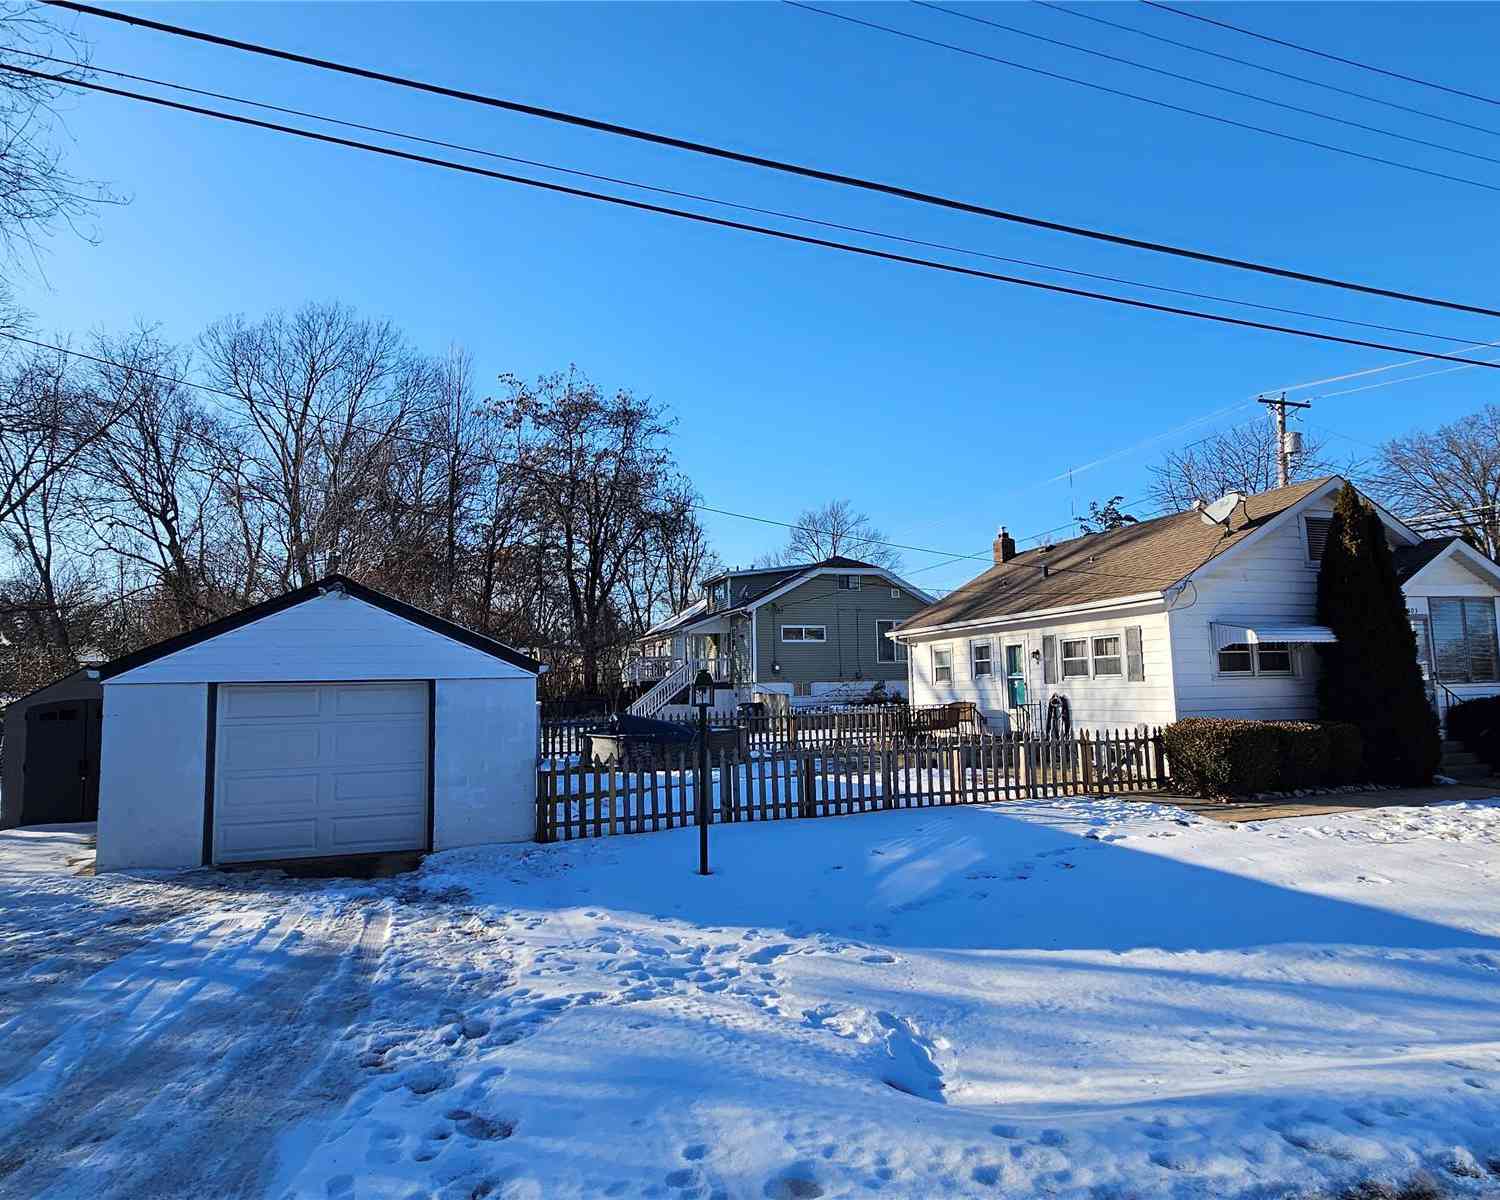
(161, 1033)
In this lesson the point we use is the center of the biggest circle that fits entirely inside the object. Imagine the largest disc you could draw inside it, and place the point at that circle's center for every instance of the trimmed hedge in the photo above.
(1346, 753)
(1476, 723)
(1217, 756)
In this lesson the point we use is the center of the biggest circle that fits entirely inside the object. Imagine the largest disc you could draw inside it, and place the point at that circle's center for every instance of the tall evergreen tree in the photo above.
(1370, 675)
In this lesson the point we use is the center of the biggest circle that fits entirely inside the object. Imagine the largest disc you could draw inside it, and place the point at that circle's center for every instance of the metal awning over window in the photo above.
(1227, 633)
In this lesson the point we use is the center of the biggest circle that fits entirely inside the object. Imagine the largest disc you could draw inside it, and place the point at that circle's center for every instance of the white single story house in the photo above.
(1182, 616)
(332, 720)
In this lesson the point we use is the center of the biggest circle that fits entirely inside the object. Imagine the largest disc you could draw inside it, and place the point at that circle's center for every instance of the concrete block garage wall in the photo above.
(152, 774)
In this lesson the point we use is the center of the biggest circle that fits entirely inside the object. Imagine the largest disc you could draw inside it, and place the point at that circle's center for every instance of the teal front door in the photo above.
(1015, 676)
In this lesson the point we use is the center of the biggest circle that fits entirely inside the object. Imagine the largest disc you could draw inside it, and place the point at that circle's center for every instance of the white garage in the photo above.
(332, 721)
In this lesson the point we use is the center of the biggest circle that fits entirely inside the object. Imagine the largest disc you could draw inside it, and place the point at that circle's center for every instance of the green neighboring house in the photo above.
(815, 630)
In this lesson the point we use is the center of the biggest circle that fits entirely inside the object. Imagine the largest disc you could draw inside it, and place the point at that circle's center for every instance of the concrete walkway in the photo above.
(1234, 811)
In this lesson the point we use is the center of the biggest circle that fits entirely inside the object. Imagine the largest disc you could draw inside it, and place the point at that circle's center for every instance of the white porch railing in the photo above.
(650, 668)
(675, 680)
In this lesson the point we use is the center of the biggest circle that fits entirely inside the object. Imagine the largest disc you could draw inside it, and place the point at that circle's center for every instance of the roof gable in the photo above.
(1416, 564)
(407, 641)
(1137, 560)
(833, 566)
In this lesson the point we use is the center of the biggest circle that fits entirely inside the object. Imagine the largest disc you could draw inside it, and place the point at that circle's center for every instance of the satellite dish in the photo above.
(1219, 512)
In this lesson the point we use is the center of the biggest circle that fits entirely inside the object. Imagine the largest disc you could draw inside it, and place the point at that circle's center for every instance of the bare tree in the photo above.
(38, 480)
(158, 476)
(324, 396)
(37, 191)
(1447, 481)
(597, 464)
(834, 529)
(1239, 459)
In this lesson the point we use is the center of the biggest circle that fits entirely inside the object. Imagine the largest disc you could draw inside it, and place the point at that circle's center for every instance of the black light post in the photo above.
(703, 697)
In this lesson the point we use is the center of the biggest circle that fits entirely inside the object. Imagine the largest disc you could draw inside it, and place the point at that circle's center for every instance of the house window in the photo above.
(895, 593)
(1236, 659)
(1273, 658)
(1075, 658)
(1317, 536)
(849, 583)
(942, 664)
(1264, 658)
(887, 651)
(1107, 655)
(1463, 635)
(980, 660)
(804, 633)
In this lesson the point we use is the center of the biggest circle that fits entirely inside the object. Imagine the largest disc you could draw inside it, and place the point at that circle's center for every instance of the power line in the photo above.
(764, 162)
(1217, 87)
(1123, 94)
(1348, 62)
(1408, 362)
(731, 204)
(724, 223)
(1245, 62)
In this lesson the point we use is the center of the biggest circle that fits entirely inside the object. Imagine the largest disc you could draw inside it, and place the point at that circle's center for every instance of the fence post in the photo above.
(542, 783)
(1086, 761)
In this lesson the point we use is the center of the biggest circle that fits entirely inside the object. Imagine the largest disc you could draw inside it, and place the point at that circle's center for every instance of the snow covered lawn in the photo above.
(1099, 999)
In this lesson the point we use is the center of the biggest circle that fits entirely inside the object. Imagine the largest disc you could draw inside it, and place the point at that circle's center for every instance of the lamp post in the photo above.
(703, 697)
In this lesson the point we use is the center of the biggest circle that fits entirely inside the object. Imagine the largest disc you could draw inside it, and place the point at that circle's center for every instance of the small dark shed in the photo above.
(50, 774)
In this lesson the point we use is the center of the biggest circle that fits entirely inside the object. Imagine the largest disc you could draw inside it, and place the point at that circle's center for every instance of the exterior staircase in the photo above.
(1462, 765)
(648, 704)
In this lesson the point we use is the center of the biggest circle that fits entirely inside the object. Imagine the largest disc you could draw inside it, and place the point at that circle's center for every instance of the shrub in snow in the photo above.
(1216, 756)
(1346, 753)
(1304, 753)
(1476, 723)
(1370, 675)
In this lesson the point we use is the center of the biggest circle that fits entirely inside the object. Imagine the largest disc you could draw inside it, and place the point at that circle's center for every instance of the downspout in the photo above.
(754, 650)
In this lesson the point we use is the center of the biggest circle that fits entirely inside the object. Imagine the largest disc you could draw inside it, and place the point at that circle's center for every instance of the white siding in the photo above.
(1267, 580)
(485, 762)
(152, 776)
(1102, 702)
(330, 638)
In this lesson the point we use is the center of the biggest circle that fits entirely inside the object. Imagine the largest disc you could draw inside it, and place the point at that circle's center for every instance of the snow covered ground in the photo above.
(1100, 999)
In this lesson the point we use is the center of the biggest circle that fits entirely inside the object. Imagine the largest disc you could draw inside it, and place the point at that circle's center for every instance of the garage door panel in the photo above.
(309, 770)
(269, 839)
(263, 701)
(352, 789)
(367, 834)
(378, 742)
(267, 795)
(251, 747)
(369, 699)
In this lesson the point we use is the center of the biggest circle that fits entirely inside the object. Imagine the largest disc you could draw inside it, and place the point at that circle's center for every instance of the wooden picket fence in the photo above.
(577, 799)
(799, 729)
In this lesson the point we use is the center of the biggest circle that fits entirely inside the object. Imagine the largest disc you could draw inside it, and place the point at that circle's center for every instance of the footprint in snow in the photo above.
(878, 959)
(768, 954)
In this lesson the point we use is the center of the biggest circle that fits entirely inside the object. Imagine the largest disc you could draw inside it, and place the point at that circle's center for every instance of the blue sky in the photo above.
(941, 406)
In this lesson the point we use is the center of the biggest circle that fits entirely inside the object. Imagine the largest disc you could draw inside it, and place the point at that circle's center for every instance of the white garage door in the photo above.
(308, 770)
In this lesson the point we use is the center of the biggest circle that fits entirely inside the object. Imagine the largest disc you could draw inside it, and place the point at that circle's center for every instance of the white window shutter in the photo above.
(1135, 659)
(1049, 658)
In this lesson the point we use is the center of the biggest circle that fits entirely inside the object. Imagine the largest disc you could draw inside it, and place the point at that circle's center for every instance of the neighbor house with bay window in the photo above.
(1187, 616)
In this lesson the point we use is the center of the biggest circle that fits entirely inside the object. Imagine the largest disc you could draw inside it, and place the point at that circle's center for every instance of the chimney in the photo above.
(1004, 547)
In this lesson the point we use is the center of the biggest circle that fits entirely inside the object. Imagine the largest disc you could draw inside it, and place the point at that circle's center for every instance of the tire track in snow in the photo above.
(213, 1063)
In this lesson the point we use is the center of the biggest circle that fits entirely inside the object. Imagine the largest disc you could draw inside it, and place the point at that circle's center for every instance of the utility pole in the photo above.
(1279, 405)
